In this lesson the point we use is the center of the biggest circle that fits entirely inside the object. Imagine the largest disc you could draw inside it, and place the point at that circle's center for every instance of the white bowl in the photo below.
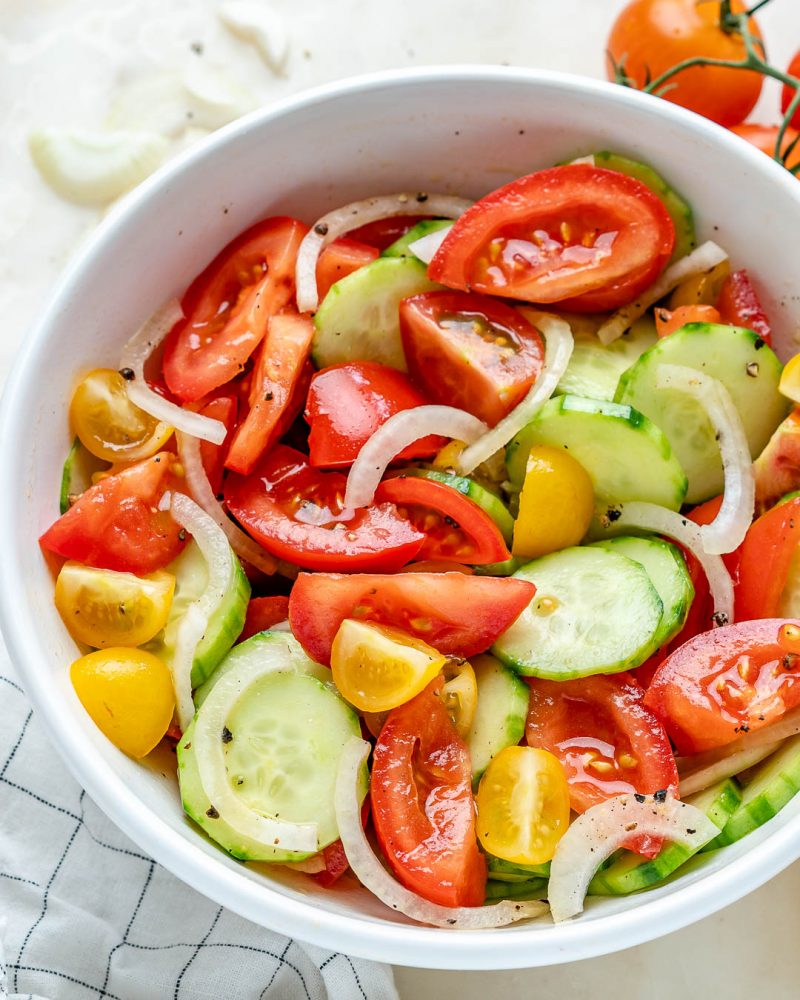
(461, 130)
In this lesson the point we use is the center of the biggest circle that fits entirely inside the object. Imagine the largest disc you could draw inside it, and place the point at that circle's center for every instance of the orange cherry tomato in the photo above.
(668, 321)
(764, 137)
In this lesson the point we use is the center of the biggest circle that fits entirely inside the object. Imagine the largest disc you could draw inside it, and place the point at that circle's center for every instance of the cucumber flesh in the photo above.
(288, 731)
(626, 455)
(745, 365)
(667, 570)
(359, 318)
(594, 612)
(79, 467)
(506, 871)
(500, 714)
(400, 248)
(487, 501)
(594, 370)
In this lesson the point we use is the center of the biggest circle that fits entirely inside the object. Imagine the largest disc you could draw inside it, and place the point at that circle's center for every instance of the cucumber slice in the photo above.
(772, 784)
(288, 731)
(79, 467)
(667, 570)
(626, 455)
(486, 500)
(595, 612)
(787, 497)
(594, 370)
(359, 316)
(535, 888)
(629, 873)
(507, 568)
(501, 712)
(505, 871)
(400, 247)
(748, 369)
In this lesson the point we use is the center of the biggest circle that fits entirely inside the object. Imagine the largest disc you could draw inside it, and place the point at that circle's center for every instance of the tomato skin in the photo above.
(740, 305)
(347, 403)
(777, 468)
(461, 530)
(225, 409)
(721, 684)
(266, 503)
(462, 366)
(116, 524)
(226, 308)
(668, 322)
(630, 237)
(766, 554)
(787, 92)
(339, 259)
(263, 613)
(422, 808)
(383, 232)
(765, 138)
(651, 36)
(430, 606)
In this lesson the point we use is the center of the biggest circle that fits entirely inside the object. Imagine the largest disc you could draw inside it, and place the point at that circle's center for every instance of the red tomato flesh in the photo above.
(422, 806)
(457, 614)
(470, 351)
(383, 232)
(777, 468)
(590, 238)
(263, 613)
(347, 403)
(339, 259)
(766, 555)
(740, 305)
(296, 513)
(225, 409)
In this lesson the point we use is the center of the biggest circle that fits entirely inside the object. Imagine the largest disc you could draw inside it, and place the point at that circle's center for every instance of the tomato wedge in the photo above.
(455, 527)
(339, 259)
(766, 555)
(227, 307)
(586, 237)
(273, 400)
(607, 740)
(777, 468)
(225, 409)
(296, 513)
(422, 808)
(383, 232)
(740, 305)
(347, 403)
(724, 683)
(470, 351)
(116, 524)
(263, 613)
(457, 614)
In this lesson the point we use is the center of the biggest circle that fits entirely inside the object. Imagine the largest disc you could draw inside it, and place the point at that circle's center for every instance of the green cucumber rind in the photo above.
(487, 501)
(501, 712)
(535, 888)
(400, 247)
(506, 871)
(76, 476)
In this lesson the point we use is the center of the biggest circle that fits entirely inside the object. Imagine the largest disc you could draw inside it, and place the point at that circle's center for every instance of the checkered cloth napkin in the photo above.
(85, 914)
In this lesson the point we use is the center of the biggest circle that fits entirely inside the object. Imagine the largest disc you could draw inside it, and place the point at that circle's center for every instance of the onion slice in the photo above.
(134, 356)
(371, 873)
(605, 828)
(425, 247)
(705, 258)
(661, 521)
(726, 532)
(359, 213)
(697, 779)
(558, 350)
(397, 433)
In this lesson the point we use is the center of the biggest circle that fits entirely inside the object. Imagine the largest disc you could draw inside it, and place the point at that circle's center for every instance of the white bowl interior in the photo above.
(460, 131)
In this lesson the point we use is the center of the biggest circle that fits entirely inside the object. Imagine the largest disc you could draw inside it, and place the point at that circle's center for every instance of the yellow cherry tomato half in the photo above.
(128, 694)
(102, 607)
(377, 668)
(789, 385)
(109, 425)
(460, 694)
(555, 506)
(701, 289)
(523, 805)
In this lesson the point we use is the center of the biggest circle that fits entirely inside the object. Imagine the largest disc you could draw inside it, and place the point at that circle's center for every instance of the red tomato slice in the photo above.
(263, 613)
(590, 238)
(740, 305)
(608, 741)
(422, 807)
(723, 683)
(296, 513)
(347, 403)
(470, 351)
(766, 554)
(455, 527)
(457, 614)
(777, 468)
(116, 524)
(224, 409)
(282, 359)
(382, 233)
(227, 307)
(339, 259)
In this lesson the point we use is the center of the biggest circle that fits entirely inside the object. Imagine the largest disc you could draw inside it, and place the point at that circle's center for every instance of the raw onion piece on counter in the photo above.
(261, 25)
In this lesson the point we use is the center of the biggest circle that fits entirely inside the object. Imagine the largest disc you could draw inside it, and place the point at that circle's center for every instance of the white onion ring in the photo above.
(134, 356)
(661, 521)
(697, 779)
(397, 433)
(604, 828)
(726, 532)
(371, 873)
(359, 213)
(425, 247)
(705, 258)
(558, 350)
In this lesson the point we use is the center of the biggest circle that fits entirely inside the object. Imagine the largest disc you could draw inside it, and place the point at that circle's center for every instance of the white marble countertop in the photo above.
(84, 63)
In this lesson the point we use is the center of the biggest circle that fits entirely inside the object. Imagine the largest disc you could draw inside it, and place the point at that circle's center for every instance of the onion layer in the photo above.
(698, 778)
(425, 247)
(605, 828)
(371, 873)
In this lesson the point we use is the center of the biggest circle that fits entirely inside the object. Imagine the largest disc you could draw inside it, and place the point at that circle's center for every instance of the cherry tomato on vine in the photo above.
(787, 95)
(764, 137)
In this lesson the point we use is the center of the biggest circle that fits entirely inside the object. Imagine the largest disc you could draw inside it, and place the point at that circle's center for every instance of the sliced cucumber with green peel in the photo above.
(748, 369)
(626, 456)
(284, 737)
(667, 570)
(594, 369)
(486, 500)
(507, 568)
(400, 248)
(500, 714)
(359, 316)
(535, 888)
(506, 871)
(787, 497)
(79, 467)
(594, 612)
(630, 873)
